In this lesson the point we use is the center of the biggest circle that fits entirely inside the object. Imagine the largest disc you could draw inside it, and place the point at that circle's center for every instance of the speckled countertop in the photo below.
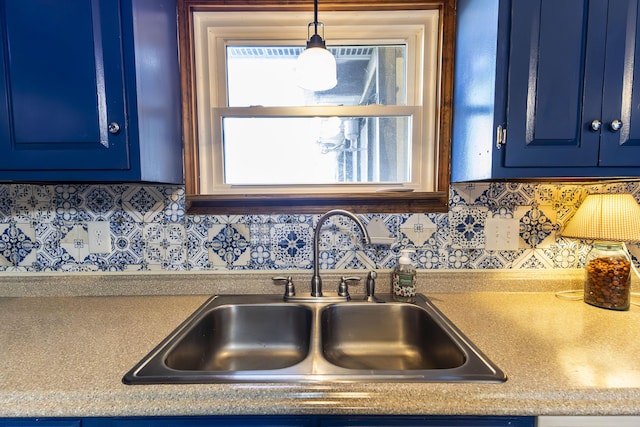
(65, 355)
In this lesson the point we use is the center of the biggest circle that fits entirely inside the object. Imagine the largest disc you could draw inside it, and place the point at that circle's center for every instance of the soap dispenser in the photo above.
(403, 278)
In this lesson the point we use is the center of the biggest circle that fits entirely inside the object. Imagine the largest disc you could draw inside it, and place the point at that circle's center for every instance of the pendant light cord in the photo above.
(578, 294)
(315, 16)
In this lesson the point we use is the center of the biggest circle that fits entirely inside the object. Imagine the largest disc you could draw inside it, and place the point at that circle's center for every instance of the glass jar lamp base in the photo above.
(607, 278)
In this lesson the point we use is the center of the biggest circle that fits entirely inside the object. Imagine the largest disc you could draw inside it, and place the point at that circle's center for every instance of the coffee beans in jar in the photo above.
(608, 279)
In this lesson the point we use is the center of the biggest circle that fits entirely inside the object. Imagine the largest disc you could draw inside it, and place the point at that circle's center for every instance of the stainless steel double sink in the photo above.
(260, 338)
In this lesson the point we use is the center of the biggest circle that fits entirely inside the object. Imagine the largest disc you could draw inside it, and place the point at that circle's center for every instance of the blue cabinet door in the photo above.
(63, 86)
(281, 421)
(550, 49)
(571, 77)
(427, 421)
(313, 421)
(203, 421)
(556, 76)
(621, 97)
(38, 422)
(90, 91)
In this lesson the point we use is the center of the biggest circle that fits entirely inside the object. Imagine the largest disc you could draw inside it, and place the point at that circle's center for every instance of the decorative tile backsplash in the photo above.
(50, 228)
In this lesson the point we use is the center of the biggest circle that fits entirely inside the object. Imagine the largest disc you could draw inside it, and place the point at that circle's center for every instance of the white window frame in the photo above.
(417, 29)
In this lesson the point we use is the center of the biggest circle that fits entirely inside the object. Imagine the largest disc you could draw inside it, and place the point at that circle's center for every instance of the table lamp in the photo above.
(609, 220)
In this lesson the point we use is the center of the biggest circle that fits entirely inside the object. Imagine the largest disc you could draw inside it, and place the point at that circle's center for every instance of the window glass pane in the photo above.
(316, 150)
(265, 75)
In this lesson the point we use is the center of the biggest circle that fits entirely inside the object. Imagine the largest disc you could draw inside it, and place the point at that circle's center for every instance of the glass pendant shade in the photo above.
(316, 69)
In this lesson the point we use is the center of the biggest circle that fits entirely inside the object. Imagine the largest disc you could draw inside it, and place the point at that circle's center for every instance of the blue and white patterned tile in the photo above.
(468, 194)
(68, 266)
(563, 256)
(67, 201)
(352, 260)
(132, 268)
(633, 187)
(261, 258)
(197, 227)
(128, 246)
(634, 250)
(442, 236)
(164, 246)
(33, 203)
(327, 260)
(260, 232)
(174, 205)
(74, 242)
(49, 253)
(123, 223)
(381, 256)
(144, 203)
(431, 259)
(511, 194)
(583, 251)
(455, 239)
(18, 244)
(418, 229)
(6, 203)
(563, 199)
(482, 259)
(502, 212)
(537, 226)
(27, 244)
(466, 225)
(291, 245)
(229, 245)
(294, 219)
(98, 203)
(532, 259)
(457, 259)
(619, 187)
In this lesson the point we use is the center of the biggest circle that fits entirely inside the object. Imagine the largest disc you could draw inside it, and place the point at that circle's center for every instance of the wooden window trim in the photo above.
(390, 202)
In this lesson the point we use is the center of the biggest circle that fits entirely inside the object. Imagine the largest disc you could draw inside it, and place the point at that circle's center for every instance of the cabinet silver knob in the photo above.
(114, 128)
(596, 125)
(616, 125)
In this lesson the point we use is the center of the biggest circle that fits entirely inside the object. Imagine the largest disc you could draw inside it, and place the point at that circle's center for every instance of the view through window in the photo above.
(268, 148)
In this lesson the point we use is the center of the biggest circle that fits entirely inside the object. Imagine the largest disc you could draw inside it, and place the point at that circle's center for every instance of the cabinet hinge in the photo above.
(501, 136)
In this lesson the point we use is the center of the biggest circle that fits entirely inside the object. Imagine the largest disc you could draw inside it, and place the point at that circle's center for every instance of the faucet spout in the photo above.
(316, 281)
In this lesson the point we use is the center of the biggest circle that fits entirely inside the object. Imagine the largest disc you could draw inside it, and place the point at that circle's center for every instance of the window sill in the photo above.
(318, 203)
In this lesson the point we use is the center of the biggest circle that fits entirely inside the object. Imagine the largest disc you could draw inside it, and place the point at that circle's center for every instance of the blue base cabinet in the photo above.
(428, 421)
(547, 89)
(280, 421)
(89, 91)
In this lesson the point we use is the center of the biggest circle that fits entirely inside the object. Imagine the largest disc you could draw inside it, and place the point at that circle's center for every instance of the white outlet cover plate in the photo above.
(99, 237)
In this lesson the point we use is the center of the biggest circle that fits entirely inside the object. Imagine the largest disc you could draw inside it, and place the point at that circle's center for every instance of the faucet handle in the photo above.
(343, 287)
(289, 289)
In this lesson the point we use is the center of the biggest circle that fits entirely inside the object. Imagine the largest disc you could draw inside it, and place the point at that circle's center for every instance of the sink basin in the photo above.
(244, 337)
(260, 338)
(386, 337)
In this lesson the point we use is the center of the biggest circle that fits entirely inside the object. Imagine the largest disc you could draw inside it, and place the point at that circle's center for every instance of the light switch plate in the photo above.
(99, 237)
(502, 234)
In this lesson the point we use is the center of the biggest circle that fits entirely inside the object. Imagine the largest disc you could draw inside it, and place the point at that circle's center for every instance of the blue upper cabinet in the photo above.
(89, 91)
(555, 96)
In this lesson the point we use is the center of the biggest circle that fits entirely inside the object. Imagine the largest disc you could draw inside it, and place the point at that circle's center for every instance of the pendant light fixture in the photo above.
(316, 67)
